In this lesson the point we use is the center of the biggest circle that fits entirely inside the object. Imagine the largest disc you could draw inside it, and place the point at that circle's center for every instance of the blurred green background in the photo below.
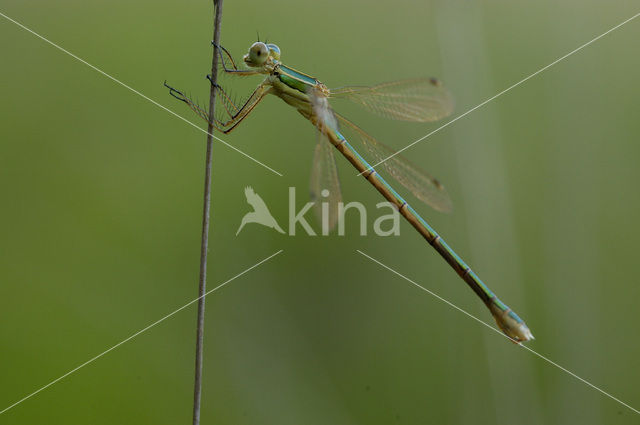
(101, 209)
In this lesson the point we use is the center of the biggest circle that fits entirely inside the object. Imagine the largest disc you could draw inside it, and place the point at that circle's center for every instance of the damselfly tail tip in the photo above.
(510, 323)
(519, 333)
(526, 333)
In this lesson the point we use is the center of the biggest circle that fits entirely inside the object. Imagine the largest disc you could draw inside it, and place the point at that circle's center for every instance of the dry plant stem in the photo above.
(204, 245)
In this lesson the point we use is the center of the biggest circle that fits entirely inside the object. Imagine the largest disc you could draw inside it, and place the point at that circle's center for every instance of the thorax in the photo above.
(293, 87)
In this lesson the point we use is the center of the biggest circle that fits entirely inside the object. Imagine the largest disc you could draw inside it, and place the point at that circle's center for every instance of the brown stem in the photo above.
(204, 244)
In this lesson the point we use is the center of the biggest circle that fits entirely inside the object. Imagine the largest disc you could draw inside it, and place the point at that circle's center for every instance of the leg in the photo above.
(242, 112)
(229, 105)
(236, 114)
(201, 112)
(234, 69)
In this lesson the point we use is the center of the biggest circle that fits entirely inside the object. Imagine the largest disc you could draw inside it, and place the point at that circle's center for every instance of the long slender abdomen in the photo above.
(508, 321)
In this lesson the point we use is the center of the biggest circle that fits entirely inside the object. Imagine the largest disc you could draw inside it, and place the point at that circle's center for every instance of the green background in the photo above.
(101, 207)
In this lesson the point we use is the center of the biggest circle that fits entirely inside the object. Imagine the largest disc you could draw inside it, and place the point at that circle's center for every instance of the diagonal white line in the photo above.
(438, 297)
(138, 93)
(499, 332)
(91, 360)
(502, 92)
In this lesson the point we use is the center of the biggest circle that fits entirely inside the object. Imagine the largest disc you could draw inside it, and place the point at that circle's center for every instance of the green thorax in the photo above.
(295, 79)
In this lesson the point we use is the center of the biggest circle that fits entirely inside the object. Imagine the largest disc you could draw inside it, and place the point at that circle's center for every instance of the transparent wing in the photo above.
(417, 99)
(426, 188)
(324, 177)
(324, 173)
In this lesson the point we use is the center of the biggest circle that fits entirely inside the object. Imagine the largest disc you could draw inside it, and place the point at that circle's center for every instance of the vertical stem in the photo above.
(204, 244)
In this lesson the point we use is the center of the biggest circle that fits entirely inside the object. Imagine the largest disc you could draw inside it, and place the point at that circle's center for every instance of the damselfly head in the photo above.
(258, 54)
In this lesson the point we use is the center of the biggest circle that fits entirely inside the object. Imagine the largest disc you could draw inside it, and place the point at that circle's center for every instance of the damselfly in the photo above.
(419, 100)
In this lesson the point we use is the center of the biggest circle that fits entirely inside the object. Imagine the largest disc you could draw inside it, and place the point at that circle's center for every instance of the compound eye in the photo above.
(274, 51)
(258, 53)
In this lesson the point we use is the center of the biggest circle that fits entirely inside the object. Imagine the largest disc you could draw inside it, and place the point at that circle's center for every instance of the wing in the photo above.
(324, 177)
(325, 185)
(254, 199)
(426, 188)
(417, 99)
